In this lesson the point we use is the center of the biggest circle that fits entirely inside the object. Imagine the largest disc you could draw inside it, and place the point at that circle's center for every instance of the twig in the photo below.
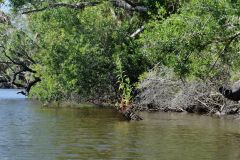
(203, 103)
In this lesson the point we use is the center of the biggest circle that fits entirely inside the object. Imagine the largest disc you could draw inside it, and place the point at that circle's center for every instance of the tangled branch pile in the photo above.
(162, 91)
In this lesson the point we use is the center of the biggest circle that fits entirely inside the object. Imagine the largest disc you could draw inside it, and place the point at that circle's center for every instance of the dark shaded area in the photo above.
(228, 93)
(129, 115)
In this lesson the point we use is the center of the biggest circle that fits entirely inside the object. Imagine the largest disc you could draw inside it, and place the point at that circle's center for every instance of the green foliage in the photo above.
(193, 40)
(77, 51)
(125, 87)
(89, 52)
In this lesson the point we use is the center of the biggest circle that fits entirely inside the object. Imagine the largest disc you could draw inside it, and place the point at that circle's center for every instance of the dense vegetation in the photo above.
(98, 50)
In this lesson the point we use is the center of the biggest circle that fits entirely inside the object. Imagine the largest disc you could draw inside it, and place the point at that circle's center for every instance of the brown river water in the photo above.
(31, 132)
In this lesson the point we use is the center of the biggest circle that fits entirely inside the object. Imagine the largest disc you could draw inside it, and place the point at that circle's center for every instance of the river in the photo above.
(31, 132)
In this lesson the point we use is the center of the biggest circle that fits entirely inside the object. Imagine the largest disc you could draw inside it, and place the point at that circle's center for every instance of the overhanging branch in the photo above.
(125, 4)
(29, 86)
(22, 64)
(20, 69)
(32, 83)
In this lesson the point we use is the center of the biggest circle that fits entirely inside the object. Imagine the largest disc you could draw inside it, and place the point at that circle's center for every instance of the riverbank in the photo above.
(139, 107)
(161, 91)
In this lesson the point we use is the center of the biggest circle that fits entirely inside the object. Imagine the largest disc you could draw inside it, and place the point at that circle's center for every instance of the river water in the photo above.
(30, 132)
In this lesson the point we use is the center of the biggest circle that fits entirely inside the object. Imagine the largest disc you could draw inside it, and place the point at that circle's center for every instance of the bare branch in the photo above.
(139, 30)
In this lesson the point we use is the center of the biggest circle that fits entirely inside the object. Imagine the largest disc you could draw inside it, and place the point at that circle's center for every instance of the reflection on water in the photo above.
(28, 132)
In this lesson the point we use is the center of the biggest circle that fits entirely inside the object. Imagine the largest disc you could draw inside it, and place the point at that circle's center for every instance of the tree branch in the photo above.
(233, 37)
(22, 64)
(226, 46)
(125, 4)
(128, 5)
(31, 84)
(23, 68)
(3, 80)
(139, 30)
